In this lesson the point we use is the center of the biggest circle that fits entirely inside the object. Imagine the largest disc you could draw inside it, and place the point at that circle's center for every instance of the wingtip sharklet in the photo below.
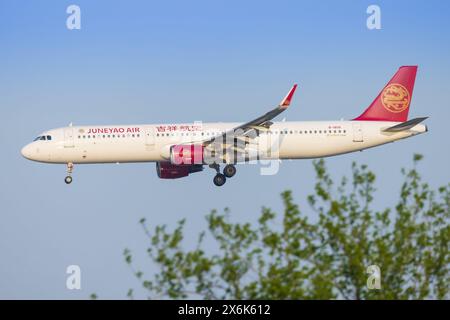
(287, 100)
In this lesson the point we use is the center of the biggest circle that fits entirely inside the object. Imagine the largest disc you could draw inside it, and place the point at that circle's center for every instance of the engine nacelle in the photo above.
(187, 154)
(166, 170)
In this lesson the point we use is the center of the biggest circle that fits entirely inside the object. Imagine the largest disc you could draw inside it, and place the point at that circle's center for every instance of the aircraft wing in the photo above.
(251, 129)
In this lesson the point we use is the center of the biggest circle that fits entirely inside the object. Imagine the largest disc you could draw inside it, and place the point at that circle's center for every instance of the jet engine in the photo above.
(167, 170)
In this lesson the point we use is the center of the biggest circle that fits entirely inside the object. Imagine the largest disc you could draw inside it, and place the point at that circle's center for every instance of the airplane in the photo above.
(182, 149)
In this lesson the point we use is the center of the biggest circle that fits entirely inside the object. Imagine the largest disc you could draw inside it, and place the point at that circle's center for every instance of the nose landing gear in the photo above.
(68, 178)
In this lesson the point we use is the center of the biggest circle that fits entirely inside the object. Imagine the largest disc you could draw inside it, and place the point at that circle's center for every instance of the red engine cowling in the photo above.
(166, 170)
(187, 154)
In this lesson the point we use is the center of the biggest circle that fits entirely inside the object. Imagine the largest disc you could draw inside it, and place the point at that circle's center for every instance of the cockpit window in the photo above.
(44, 138)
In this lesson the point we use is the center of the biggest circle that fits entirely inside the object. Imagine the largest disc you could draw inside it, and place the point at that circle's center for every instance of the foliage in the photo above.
(323, 257)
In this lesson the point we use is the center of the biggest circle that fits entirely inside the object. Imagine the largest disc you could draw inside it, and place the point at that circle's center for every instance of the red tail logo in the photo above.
(392, 104)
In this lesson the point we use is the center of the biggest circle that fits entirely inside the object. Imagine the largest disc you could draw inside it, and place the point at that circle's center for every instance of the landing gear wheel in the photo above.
(229, 170)
(68, 178)
(219, 179)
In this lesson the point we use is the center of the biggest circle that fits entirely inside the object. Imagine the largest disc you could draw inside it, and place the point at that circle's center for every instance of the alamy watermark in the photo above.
(374, 279)
(199, 145)
(373, 21)
(73, 281)
(73, 21)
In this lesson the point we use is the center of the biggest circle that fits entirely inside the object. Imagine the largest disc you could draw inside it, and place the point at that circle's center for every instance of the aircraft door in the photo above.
(357, 132)
(68, 138)
(264, 145)
(149, 138)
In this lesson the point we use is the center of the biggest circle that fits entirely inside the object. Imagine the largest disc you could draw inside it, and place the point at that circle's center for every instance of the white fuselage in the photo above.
(151, 143)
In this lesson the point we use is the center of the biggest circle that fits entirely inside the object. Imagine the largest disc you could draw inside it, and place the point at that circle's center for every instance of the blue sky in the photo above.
(178, 61)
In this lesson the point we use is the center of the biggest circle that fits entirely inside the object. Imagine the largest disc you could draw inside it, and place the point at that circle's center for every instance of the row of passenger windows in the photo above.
(44, 138)
(194, 134)
(108, 136)
(308, 131)
(269, 132)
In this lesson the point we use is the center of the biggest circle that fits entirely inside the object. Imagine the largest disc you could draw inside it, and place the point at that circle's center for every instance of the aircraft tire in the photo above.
(229, 170)
(219, 179)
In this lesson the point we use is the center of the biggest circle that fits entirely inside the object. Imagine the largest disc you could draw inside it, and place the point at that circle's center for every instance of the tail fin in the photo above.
(392, 104)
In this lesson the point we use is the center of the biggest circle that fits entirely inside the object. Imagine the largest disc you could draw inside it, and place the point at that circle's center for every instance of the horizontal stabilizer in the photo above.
(405, 125)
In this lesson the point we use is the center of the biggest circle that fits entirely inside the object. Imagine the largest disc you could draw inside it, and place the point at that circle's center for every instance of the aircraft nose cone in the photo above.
(26, 152)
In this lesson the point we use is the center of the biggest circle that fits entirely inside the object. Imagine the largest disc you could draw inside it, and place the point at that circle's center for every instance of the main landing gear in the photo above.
(228, 172)
(68, 178)
(219, 179)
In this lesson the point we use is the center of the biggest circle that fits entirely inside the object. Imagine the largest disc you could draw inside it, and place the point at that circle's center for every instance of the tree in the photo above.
(325, 257)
